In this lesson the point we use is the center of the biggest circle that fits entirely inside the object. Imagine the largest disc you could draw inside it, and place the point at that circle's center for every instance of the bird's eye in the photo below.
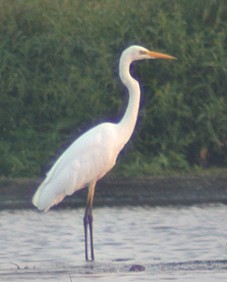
(141, 52)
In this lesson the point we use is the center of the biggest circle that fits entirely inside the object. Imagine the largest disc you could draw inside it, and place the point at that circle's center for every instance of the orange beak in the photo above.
(159, 55)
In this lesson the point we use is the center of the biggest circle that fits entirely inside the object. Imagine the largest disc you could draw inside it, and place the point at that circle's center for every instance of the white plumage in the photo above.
(93, 154)
(89, 158)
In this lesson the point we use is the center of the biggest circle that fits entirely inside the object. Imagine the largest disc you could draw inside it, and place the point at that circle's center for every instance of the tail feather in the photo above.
(55, 188)
(48, 194)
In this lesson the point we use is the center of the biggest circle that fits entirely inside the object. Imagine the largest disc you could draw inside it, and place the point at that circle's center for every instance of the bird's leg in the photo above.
(85, 234)
(88, 220)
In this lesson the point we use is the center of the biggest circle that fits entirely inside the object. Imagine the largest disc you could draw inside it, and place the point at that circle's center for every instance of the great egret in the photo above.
(93, 154)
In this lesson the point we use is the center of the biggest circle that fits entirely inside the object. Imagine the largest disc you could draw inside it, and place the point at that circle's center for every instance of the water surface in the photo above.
(187, 243)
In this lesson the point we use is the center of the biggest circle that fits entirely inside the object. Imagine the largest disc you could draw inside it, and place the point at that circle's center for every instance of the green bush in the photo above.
(59, 76)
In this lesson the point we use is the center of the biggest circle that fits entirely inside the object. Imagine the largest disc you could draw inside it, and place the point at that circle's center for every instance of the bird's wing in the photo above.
(87, 159)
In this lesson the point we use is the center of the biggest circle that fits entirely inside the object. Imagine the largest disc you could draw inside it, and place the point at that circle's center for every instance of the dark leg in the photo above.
(88, 220)
(85, 235)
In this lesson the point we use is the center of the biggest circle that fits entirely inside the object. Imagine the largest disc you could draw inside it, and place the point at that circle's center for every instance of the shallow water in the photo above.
(172, 243)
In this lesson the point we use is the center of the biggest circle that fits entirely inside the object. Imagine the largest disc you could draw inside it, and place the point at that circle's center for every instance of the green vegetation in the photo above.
(59, 76)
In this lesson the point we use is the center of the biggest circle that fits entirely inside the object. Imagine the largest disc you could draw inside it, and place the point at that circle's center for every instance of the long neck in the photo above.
(128, 122)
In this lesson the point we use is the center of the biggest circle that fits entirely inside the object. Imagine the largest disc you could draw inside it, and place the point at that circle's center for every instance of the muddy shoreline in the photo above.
(115, 191)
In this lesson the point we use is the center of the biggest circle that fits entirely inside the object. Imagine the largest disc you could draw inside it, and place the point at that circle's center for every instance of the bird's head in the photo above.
(135, 53)
(140, 53)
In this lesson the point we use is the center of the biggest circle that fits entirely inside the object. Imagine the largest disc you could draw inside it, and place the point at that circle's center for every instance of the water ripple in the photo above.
(180, 241)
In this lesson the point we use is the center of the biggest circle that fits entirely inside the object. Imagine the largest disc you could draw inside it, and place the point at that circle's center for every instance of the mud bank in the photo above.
(177, 190)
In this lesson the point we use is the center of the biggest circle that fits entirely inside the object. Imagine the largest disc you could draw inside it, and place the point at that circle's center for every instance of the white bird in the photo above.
(94, 153)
